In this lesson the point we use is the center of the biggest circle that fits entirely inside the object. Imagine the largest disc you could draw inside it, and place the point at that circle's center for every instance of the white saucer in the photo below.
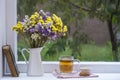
(58, 72)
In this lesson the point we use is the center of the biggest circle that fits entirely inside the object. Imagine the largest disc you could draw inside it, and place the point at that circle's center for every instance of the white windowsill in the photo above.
(105, 70)
(95, 67)
(49, 76)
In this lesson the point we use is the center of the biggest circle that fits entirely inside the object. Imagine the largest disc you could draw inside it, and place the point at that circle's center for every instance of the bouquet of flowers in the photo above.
(40, 27)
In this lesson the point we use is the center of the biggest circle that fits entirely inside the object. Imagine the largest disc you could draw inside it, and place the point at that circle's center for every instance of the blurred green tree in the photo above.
(105, 10)
(72, 11)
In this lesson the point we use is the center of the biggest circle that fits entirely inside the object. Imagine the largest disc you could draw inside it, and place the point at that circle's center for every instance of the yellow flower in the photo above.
(18, 27)
(34, 16)
(48, 19)
(32, 23)
(60, 22)
(54, 17)
(60, 30)
(54, 28)
(65, 29)
(38, 24)
(36, 13)
(41, 22)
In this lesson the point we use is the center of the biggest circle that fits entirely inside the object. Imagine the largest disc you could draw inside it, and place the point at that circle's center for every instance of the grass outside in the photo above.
(89, 52)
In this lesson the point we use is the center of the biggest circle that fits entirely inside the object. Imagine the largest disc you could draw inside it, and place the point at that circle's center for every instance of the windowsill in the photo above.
(105, 70)
(95, 67)
(46, 76)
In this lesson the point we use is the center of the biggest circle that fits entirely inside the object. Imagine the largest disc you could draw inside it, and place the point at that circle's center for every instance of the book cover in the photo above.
(7, 51)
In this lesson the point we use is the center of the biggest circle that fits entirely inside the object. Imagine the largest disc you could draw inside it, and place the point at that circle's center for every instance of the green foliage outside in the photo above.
(76, 42)
(89, 52)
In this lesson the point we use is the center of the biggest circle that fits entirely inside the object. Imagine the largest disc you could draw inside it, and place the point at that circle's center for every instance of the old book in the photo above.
(7, 51)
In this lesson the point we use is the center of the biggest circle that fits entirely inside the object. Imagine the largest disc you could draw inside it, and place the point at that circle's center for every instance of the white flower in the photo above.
(36, 28)
(47, 25)
(35, 36)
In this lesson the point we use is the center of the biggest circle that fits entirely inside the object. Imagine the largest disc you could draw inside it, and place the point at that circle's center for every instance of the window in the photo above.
(86, 38)
(11, 39)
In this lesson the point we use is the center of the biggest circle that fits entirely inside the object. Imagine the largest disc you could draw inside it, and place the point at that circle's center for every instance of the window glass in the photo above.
(88, 37)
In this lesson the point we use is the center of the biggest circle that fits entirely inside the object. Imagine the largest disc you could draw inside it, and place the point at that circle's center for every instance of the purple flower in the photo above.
(31, 30)
(44, 18)
(48, 13)
(39, 27)
(53, 35)
(45, 32)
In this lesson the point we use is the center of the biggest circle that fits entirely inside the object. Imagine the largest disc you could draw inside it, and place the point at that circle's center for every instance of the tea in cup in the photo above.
(66, 64)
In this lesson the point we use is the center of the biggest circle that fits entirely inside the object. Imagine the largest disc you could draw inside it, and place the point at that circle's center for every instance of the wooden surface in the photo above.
(10, 60)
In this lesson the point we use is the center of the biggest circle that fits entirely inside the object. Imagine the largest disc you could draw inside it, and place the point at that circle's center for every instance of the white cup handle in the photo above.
(76, 60)
(22, 52)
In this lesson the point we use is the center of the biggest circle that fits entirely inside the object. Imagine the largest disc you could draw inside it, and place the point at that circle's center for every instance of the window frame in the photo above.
(11, 19)
(2, 31)
(9, 36)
